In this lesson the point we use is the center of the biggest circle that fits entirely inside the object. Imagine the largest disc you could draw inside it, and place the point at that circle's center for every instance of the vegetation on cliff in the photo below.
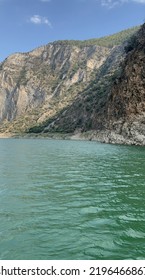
(108, 41)
(76, 86)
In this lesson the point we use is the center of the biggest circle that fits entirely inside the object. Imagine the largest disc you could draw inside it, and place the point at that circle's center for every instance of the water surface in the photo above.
(71, 200)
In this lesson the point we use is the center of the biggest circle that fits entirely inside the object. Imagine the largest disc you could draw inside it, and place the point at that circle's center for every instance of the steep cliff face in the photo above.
(113, 106)
(74, 86)
(126, 104)
(89, 109)
(38, 83)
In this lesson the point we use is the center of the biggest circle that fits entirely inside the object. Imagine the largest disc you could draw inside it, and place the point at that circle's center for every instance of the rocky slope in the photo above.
(38, 84)
(76, 87)
(114, 110)
(41, 86)
(126, 105)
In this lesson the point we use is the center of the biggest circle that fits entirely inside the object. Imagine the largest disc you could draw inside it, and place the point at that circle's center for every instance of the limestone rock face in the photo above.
(37, 84)
(113, 105)
(126, 105)
(74, 87)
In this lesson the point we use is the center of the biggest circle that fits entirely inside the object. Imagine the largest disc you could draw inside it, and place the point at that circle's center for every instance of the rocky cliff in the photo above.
(74, 86)
(112, 107)
(126, 104)
(38, 84)
(114, 110)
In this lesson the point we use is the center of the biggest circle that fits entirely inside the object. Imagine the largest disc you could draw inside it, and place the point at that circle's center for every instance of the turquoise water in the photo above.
(71, 200)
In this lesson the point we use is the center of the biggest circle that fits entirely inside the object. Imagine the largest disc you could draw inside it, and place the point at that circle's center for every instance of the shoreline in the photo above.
(4, 135)
(106, 136)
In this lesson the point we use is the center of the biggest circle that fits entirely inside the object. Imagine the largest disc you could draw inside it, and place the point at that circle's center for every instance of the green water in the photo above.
(71, 200)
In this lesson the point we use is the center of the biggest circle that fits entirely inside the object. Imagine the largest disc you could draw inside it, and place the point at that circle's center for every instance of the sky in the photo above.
(27, 24)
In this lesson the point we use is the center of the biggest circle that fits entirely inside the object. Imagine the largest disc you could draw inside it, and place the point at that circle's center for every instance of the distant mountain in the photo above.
(77, 86)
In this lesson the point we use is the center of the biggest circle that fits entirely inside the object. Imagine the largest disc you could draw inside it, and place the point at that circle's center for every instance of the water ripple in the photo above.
(71, 200)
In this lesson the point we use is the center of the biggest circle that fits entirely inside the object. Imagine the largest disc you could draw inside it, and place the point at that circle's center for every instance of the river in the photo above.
(71, 200)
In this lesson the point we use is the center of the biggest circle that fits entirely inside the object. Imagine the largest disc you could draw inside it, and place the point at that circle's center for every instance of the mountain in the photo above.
(38, 84)
(76, 86)
(126, 104)
(112, 108)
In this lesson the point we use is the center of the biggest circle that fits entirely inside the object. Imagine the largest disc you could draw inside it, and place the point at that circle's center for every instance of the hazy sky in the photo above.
(26, 24)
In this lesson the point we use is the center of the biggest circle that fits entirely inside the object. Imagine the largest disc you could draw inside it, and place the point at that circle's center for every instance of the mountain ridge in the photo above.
(62, 87)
